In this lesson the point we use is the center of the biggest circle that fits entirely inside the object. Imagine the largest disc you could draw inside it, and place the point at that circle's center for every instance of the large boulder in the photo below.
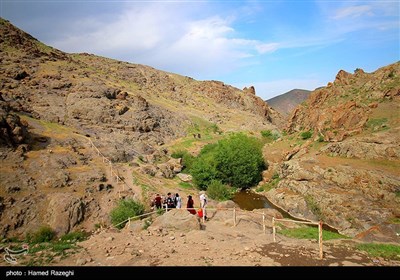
(64, 212)
(177, 219)
(12, 130)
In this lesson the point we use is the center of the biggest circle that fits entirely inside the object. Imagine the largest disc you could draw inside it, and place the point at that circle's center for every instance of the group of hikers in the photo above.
(176, 202)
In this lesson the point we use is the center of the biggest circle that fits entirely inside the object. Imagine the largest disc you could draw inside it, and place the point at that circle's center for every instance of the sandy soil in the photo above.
(217, 243)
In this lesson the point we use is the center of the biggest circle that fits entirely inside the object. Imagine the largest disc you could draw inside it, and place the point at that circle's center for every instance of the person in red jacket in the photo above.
(190, 205)
(157, 201)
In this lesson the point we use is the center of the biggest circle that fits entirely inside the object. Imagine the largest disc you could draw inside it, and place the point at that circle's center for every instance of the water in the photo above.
(248, 200)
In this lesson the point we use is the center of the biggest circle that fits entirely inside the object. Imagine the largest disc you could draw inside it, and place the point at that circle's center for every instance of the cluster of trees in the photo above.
(220, 168)
(235, 161)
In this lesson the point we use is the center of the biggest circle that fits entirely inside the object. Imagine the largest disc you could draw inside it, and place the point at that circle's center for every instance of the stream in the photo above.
(249, 200)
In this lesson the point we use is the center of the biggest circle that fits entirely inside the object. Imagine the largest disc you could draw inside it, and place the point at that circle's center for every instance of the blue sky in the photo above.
(275, 45)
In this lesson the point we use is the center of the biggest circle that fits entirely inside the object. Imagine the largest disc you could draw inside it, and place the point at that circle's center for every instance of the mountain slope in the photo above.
(138, 104)
(286, 102)
(344, 106)
(52, 103)
(347, 172)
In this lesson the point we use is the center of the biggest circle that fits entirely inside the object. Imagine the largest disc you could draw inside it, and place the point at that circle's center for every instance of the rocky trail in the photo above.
(178, 239)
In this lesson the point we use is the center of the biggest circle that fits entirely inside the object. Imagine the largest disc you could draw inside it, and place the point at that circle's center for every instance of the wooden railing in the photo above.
(113, 173)
(321, 255)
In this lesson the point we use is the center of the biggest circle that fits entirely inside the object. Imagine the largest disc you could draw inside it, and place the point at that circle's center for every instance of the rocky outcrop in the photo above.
(176, 219)
(12, 131)
(383, 146)
(163, 170)
(64, 212)
(132, 108)
(309, 191)
(344, 107)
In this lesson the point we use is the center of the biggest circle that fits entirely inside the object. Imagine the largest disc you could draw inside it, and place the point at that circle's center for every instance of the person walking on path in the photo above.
(157, 201)
(203, 204)
(190, 205)
(178, 201)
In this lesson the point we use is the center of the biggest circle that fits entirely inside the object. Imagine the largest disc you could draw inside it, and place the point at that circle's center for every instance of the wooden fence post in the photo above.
(321, 254)
(234, 216)
(264, 222)
(273, 228)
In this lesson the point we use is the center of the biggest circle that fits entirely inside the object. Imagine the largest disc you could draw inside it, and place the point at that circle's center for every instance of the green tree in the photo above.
(239, 160)
(203, 168)
(218, 191)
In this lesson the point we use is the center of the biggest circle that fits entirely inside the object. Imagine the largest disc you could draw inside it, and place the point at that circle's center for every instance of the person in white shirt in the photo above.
(203, 203)
(178, 201)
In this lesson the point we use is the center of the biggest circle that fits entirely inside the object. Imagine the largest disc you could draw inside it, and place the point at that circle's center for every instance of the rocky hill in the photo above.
(286, 102)
(340, 162)
(79, 132)
(343, 107)
(118, 102)
(54, 105)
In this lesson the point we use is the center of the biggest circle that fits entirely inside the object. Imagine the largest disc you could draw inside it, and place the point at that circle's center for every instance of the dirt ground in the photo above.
(218, 243)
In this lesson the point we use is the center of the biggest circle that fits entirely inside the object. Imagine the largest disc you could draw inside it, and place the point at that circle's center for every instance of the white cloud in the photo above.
(353, 12)
(136, 29)
(166, 38)
(267, 48)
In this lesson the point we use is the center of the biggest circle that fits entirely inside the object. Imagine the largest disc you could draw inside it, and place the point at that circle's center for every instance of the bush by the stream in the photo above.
(218, 191)
(236, 161)
(126, 208)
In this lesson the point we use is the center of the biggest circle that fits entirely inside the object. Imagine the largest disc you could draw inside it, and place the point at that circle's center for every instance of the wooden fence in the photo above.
(321, 254)
(113, 173)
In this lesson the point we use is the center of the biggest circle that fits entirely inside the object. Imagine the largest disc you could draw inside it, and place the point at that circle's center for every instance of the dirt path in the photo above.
(217, 244)
(127, 183)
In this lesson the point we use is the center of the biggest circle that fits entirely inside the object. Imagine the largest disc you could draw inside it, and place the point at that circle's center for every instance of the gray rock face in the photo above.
(64, 212)
(380, 146)
(177, 219)
(12, 131)
(352, 200)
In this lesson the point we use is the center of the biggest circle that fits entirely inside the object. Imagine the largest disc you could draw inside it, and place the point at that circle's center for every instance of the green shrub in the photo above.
(377, 124)
(43, 234)
(218, 191)
(236, 161)
(74, 236)
(203, 168)
(160, 211)
(147, 223)
(276, 135)
(266, 133)
(306, 135)
(204, 171)
(214, 129)
(239, 161)
(275, 176)
(126, 208)
(185, 185)
(178, 154)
